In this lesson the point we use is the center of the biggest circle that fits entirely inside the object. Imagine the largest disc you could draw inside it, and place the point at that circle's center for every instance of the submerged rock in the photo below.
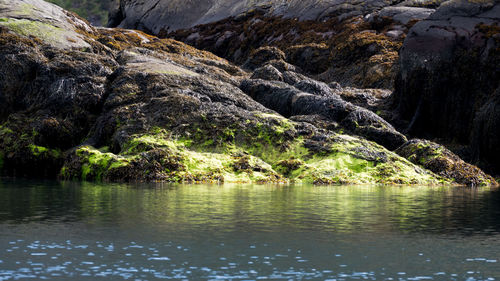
(127, 106)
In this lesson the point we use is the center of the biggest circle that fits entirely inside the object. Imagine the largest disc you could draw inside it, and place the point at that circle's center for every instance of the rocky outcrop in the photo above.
(180, 14)
(449, 81)
(121, 105)
(354, 43)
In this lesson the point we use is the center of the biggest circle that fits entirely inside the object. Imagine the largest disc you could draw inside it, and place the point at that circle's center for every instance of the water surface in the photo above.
(72, 231)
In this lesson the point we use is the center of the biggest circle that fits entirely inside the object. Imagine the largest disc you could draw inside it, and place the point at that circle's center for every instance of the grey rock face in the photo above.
(322, 38)
(44, 20)
(405, 14)
(449, 78)
(155, 15)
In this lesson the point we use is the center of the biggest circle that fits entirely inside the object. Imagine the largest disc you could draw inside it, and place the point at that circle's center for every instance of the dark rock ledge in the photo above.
(85, 103)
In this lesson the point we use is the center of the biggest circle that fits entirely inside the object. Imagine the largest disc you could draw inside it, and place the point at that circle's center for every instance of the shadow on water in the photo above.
(255, 208)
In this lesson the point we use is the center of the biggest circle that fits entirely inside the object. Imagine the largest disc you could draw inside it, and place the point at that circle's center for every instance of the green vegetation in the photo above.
(1, 161)
(265, 158)
(423, 153)
(95, 11)
(37, 150)
(97, 163)
(191, 164)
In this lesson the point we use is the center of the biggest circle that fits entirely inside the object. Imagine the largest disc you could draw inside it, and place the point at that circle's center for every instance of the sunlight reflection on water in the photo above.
(89, 231)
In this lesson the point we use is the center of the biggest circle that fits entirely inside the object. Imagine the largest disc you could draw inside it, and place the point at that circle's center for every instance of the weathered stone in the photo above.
(267, 72)
(178, 14)
(263, 55)
(345, 42)
(45, 21)
(404, 15)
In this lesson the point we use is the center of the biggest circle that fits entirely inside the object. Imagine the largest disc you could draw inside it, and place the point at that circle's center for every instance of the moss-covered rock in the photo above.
(334, 159)
(21, 156)
(443, 162)
(89, 163)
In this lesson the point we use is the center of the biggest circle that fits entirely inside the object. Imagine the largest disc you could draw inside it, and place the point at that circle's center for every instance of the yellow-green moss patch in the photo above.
(199, 166)
(97, 163)
(346, 160)
(33, 28)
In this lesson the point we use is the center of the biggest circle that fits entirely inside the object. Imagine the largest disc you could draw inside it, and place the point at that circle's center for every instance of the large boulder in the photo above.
(449, 81)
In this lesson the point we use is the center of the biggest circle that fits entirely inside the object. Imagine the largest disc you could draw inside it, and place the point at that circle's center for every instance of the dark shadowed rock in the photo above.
(314, 87)
(283, 66)
(448, 84)
(369, 125)
(309, 57)
(292, 78)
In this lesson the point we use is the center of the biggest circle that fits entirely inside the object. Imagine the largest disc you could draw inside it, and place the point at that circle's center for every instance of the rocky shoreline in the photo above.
(79, 102)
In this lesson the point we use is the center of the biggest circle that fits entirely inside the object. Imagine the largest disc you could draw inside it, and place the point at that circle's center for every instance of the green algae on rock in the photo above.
(19, 156)
(343, 160)
(443, 162)
(95, 164)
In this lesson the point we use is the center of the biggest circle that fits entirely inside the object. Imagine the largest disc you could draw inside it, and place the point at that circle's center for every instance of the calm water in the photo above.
(68, 231)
